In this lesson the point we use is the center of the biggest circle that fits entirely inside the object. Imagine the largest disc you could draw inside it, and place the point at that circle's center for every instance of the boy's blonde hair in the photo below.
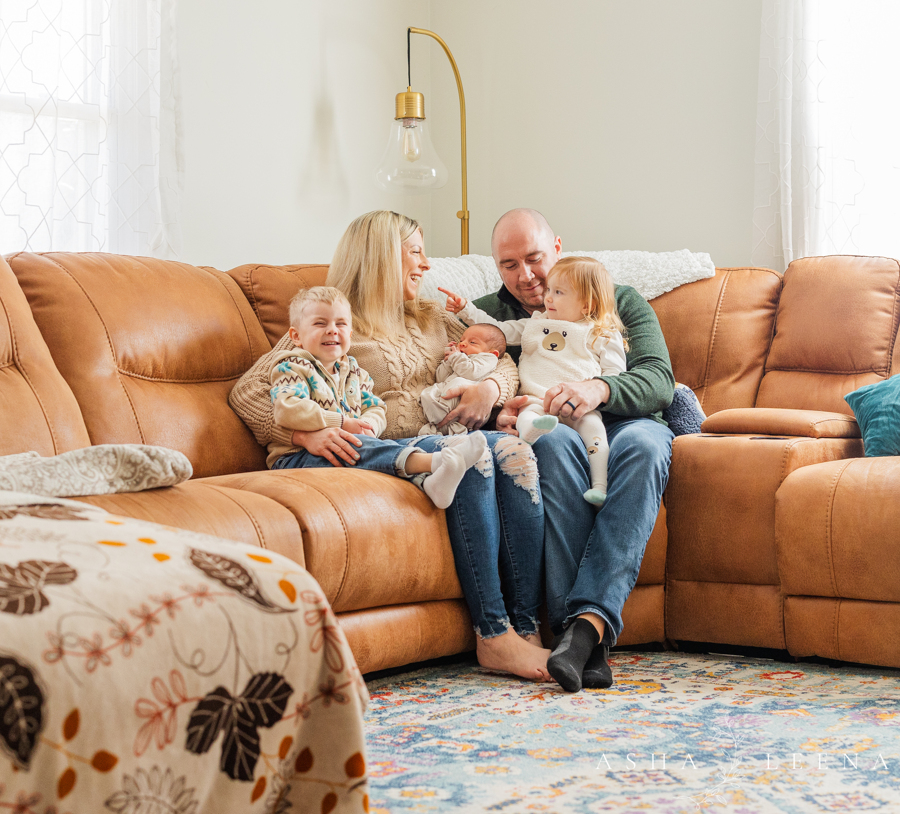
(368, 267)
(318, 293)
(594, 288)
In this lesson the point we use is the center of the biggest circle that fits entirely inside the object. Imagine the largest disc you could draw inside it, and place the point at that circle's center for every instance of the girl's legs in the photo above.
(593, 432)
(532, 422)
(496, 528)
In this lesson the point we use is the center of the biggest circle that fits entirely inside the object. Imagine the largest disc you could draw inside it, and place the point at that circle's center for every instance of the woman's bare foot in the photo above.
(510, 653)
(533, 639)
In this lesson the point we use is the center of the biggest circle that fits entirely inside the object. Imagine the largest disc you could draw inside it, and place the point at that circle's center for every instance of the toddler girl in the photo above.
(578, 337)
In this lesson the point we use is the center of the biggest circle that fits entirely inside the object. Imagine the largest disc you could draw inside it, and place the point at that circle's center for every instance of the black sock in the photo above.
(597, 674)
(568, 658)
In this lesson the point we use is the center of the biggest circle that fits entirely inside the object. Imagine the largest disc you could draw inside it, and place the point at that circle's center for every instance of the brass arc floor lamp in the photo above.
(410, 161)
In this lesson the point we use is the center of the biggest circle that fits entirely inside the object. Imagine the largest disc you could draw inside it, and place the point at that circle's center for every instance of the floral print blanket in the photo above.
(152, 670)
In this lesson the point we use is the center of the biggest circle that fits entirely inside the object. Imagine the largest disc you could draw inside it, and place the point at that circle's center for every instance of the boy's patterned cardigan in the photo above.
(305, 396)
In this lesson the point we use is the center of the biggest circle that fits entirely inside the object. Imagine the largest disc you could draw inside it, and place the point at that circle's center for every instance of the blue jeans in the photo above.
(593, 558)
(495, 524)
(375, 455)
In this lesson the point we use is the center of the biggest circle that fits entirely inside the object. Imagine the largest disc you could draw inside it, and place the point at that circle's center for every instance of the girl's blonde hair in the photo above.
(368, 267)
(318, 293)
(594, 288)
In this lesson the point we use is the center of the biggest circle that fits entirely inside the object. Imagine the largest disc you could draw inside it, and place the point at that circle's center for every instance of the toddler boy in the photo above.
(316, 385)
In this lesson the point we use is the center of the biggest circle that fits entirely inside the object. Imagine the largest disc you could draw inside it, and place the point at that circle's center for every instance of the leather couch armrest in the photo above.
(772, 421)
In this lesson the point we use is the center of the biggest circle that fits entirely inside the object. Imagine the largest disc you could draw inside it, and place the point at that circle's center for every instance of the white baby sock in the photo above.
(531, 428)
(450, 465)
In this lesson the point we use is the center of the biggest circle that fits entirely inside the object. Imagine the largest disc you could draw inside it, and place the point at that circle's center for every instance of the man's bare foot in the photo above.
(510, 653)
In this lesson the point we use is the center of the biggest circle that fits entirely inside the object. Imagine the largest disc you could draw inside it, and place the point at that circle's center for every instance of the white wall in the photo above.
(287, 106)
(629, 124)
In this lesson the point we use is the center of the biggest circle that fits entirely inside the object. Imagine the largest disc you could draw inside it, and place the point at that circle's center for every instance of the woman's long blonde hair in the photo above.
(368, 267)
(594, 288)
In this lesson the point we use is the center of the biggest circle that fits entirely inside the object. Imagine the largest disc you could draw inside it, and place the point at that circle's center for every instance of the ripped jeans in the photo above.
(496, 526)
(495, 523)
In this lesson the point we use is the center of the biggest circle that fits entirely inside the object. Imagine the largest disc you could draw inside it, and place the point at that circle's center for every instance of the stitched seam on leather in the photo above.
(254, 303)
(250, 517)
(712, 338)
(7, 364)
(831, 372)
(837, 628)
(894, 320)
(112, 350)
(15, 361)
(784, 457)
(132, 375)
(772, 331)
(346, 541)
(218, 277)
(816, 423)
(829, 525)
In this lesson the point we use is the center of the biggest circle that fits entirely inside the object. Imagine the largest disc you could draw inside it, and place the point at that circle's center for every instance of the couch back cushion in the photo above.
(38, 411)
(718, 332)
(151, 349)
(269, 289)
(835, 330)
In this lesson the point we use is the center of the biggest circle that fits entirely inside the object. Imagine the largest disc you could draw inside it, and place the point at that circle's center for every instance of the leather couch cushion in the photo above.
(369, 539)
(269, 289)
(151, 349)
(836, 330)
(837, 530)
(210, 509)
(718, 332)
(38, 411)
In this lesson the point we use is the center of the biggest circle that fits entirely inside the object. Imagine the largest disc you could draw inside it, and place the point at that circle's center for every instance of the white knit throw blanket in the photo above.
(650, 273)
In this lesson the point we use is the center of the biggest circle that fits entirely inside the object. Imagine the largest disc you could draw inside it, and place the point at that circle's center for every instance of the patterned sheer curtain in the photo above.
(828, 130)
(90, 147)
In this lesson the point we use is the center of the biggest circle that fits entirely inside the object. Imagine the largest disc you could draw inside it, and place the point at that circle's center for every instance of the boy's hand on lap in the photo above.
(332, 444)
(357, 426)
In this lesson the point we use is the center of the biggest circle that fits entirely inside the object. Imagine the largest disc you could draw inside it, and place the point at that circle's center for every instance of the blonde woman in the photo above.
(496, 520)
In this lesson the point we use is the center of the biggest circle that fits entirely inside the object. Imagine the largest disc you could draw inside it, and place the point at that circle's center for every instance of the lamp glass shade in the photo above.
(410, 160)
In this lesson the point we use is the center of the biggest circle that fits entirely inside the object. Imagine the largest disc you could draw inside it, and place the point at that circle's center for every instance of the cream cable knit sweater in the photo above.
(401, 367)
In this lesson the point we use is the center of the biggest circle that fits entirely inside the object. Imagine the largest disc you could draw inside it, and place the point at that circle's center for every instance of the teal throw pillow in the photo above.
(877, 410)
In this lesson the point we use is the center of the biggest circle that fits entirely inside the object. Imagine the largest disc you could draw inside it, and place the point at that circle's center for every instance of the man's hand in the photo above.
(474, 408)
(575, 399)
(357, 426)
(506, 419)
(331, 444)
(455, 303)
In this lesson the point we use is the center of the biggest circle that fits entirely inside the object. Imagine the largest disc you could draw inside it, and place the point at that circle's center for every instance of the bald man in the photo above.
(592, 558)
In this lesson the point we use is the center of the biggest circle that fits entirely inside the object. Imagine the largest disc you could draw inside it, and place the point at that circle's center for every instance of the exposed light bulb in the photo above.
(410, 160)
(412, 143)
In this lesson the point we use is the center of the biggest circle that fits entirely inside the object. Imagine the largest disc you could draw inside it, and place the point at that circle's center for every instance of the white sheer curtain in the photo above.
(90, 143)
(828, 130)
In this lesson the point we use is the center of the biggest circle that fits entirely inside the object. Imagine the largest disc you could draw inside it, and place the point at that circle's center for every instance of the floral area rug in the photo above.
(676, 733)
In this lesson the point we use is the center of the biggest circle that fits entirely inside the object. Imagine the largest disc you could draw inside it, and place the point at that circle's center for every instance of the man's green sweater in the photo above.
(647, 385)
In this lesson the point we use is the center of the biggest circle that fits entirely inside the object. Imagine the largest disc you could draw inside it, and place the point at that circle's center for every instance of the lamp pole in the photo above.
(463, 214)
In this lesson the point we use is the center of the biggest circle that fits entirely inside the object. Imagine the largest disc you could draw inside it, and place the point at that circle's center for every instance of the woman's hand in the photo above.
(331, 444)
(575, 399)
(455, 303)
(357, 426)
(475, 405)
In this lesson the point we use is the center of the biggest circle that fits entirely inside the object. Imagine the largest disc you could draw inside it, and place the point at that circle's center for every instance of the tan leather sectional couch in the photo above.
(774, 533)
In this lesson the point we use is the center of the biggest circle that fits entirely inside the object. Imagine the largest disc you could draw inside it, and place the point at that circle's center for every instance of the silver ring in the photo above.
(571, 405)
